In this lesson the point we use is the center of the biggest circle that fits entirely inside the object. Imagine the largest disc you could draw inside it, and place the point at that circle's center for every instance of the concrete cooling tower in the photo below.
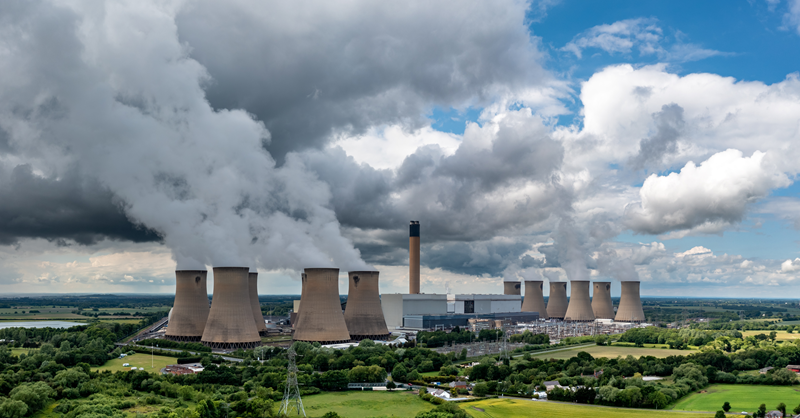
(190, 310)
(580, 306)
(255, 304)
(230, 322)
(320, 318)
(363, 314)
(413, 258)
(630, 304)
(557, 302)
(534, 298)
(601, 301)
(512, 288)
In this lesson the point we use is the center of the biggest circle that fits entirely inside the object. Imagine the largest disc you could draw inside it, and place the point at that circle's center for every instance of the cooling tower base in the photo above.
(327, 342)
(231, 346)
(184, 339)
(383, 337)
(263, 333)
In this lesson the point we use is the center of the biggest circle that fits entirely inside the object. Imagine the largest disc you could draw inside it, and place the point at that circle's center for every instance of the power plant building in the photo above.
(261, 326)
(363, 314)
(557, 301)
(320, 318)
(630, 304)
(601, 301)
(534, 298)
(189, 313)
(397, 306)
(580, 306)
(230, 322)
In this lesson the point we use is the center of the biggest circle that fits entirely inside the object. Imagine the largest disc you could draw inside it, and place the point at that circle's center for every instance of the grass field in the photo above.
(507, 408)
(742, 398)
(357, 404)
(614, 351)
(137, 360)
(782, 335)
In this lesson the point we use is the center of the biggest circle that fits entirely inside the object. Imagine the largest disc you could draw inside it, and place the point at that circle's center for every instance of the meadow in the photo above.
(358, 404)
(742, 398)
(613, 352)
(138, 360)
(782, 335)
(523, 408)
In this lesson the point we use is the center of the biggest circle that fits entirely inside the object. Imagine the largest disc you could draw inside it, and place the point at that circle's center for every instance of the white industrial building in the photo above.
(398, 305)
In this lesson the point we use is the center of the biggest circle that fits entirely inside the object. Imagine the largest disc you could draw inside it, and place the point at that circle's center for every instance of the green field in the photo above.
(742, 398)
(614, 351)
(357, 404)
(782, 335)
(507, 408)
(138, 360)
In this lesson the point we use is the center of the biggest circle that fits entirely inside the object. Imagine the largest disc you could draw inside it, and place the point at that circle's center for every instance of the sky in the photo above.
(540, 140)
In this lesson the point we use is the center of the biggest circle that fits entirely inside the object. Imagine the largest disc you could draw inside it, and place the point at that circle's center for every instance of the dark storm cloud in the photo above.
(61, 209)
(669, 124)
(310, 69)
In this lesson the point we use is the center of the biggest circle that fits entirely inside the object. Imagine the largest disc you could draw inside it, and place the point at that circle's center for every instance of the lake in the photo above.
(38, 324)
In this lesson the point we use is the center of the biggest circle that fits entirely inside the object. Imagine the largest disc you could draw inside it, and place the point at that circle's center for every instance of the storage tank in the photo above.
(534, 298)
(230, 322)
(256, 305)
(580, 306)
(557, 302)
(601, 301)
(630, 304)
(190, 311)
(321, 318)
(512, 288)
(363, 314)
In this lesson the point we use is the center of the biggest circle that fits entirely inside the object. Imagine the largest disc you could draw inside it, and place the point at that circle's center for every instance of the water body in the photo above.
(38, 324)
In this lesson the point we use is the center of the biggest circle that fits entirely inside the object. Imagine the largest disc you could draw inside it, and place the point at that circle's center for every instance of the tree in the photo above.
(773, 335)
(784, 377)
(762, 410)
(481, 389)
(782, 407)
(400, 373)
(390, 385)
(331, 414)
(10, 408)
(34, 395)
(726, 406)
(796, 410)
(719, 414)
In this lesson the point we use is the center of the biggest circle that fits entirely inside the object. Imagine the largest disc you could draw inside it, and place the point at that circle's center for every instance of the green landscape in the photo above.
(745, 398)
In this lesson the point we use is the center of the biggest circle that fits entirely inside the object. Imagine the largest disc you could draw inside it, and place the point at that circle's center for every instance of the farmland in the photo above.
(507, 407)
(613, 351)
(356, 404)
(741, 397)
(137, 360)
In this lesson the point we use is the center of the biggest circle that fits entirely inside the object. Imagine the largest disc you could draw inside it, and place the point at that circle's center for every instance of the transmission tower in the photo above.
(504, 348)
(291, 397)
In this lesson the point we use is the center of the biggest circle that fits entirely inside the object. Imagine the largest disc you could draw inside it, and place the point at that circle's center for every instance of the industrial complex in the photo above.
(234, 318)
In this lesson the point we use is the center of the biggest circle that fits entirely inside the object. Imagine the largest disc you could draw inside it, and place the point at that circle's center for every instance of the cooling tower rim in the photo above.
(580, 281)
(601, 282)
(363, 272)
(191, 271)
(320, 269)
(511, 281)
(232, 268)
(535, 281)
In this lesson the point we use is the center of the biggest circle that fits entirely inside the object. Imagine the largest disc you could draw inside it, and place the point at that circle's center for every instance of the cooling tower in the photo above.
(364, 315)
(321, 317)
(255, 304)
(630, 305)
(230, 322)
(512, 288)
(413, 258)
(601, 301)
(190, 310)
(534, 298)
(580, 306)
(557, 302)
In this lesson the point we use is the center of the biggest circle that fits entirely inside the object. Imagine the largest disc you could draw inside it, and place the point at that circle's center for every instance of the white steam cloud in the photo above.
(126, 106)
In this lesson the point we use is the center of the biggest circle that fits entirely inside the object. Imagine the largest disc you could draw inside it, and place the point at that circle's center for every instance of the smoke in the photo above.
(612, 265)
(669, 124)
(125, 108)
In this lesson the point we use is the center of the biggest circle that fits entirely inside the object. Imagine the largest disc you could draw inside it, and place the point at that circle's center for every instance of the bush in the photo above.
(481, 389)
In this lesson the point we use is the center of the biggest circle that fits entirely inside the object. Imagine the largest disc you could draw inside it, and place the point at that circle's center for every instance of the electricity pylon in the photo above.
(291, 396)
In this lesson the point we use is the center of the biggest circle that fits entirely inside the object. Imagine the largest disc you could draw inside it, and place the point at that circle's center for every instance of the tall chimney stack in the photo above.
(580, 307)
(601, 301)
(630, 304)
(557, 301)
(413, 258)
(512, 288)
(534, 298)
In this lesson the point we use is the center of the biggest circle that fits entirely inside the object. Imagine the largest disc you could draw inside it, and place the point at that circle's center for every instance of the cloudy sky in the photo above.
(532, 140)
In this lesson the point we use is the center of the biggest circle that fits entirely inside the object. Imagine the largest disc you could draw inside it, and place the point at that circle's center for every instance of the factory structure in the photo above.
(232, 321)
(234, 318)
